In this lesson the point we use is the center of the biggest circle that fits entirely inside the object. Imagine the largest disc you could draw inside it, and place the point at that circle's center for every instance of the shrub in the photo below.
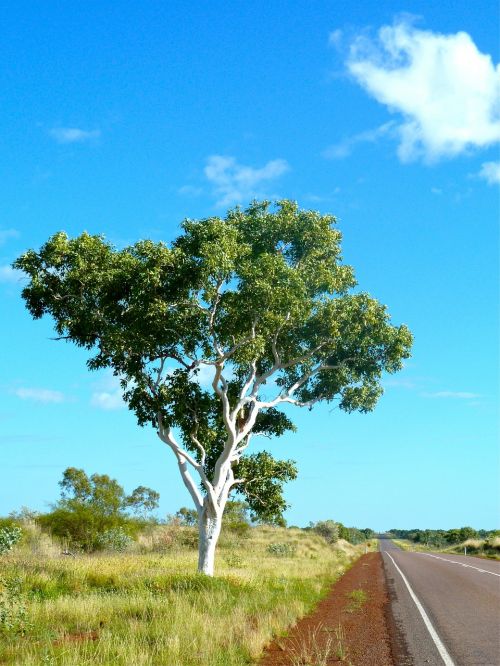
(163, 538)
(239, 529)
(328, 529)
(282, 549)
(13, 614)
(115, 539)
(91, 506)
(9, 536)
(234, 560)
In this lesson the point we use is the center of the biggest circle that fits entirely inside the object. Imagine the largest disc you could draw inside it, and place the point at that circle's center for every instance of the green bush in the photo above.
(9, 536)
(115, 539)
(90, 507)
(328, 529)
(13, 613)
(282, 549)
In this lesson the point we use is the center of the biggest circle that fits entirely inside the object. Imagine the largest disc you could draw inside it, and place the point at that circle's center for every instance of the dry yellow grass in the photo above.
(150, 608)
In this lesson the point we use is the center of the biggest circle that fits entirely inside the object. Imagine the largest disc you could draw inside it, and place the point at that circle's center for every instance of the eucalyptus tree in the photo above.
(261, 300)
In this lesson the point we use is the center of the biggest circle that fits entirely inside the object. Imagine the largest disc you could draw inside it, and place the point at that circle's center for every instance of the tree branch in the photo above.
(287, 395)
(169, 439)
(183, 458)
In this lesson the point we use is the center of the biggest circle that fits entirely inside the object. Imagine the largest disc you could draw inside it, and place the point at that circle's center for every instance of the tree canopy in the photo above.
(260, 298)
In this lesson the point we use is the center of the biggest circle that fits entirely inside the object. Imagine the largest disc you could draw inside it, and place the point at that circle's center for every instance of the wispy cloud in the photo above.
(9, 275)
(190, 191)
(400, 383)
(237, 183)
(490, 172)
(345, 147)
(107, 400)
(335, 38)
(7, 234)
(39, 395)
(444, 89)
(459, 395)
(108, 393)
(73, 134)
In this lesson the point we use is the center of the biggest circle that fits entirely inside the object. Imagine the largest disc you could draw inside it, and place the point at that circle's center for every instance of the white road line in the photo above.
(437, 641)
(462, 564)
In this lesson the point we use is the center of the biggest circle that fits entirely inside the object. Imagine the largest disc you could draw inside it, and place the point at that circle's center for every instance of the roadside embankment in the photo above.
(349, 626)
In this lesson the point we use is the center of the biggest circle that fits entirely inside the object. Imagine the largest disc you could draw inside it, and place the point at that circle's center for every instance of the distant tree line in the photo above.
(332, 531)
(440, 538)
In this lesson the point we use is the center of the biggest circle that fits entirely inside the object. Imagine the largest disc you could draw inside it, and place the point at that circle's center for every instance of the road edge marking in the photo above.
(443, 652)
(461, 564)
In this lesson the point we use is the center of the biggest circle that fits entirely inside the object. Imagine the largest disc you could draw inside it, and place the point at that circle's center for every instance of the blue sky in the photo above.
(124, 118)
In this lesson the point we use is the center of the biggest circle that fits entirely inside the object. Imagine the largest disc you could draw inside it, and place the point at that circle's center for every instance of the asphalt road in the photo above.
(451, 613)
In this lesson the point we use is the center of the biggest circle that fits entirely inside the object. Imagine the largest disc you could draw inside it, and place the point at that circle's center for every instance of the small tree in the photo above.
(261, 300)
(328, 529)
(92, 507)
(187, 517)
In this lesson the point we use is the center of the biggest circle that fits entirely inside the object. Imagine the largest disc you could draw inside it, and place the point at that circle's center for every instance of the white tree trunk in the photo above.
(209, 524)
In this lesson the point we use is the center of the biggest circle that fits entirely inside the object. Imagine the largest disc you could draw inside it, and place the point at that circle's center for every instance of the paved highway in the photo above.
(446, 608)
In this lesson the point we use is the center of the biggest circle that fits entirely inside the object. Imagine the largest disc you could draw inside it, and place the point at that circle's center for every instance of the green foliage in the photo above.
(236, 521)
(328, 529)
(282, 549)
(92, 507)
(357, 600)
(332, 531)
(259, 286)
(24, 515)
(142, 501)
(187, 517)
(441, 538)
(115, 540)
(13, 612)
(236, 512)
(9, 537)
(263, 491)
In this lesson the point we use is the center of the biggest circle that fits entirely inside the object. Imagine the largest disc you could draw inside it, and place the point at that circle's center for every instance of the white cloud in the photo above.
(39, 395)
(190, 191)
(460, 395)
(7, 234)
(345, 147)
(108, 393)
(205, 375)
(335, 38)
(490, 171)
(237, 183)
(445, 89)
(10, 275)
(73, 134)
(400, 383)
(108, 400)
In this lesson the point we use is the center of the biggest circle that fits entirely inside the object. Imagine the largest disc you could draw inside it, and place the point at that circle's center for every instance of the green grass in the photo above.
(136, 609)
(357, 598)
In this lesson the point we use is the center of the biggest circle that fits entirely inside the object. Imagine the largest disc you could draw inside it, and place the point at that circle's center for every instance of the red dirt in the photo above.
(342, 630)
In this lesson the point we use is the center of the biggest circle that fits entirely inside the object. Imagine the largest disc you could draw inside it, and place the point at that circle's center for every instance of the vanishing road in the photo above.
(446, 607)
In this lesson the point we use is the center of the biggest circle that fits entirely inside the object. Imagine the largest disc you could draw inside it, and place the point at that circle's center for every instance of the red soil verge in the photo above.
(347, 627)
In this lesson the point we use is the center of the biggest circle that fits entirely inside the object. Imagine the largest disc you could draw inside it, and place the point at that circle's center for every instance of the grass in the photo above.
(357, 598)
(313, 651)
(140, 609)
